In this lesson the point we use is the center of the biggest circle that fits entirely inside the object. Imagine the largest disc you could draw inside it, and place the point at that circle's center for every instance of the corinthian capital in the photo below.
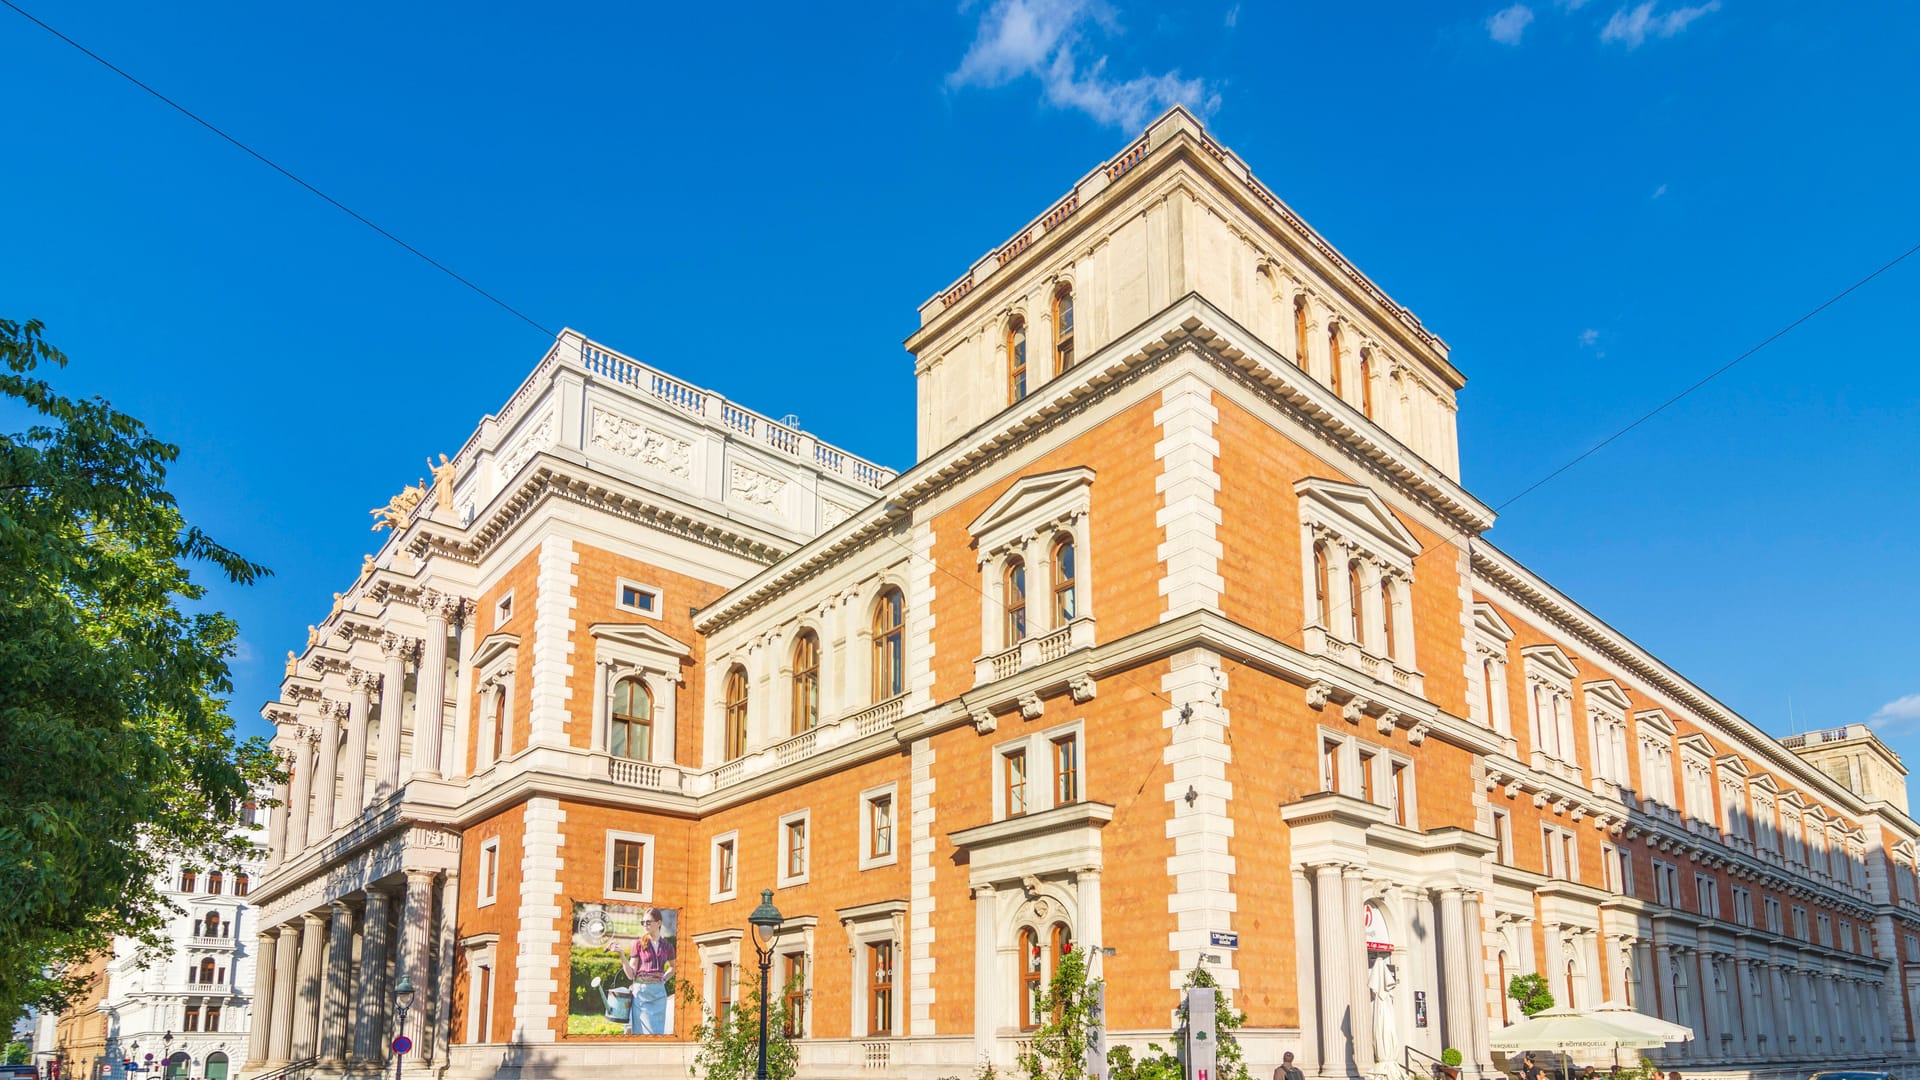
(400, 645)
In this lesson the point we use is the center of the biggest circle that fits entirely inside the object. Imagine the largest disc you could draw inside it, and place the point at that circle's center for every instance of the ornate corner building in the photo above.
(1178, 641)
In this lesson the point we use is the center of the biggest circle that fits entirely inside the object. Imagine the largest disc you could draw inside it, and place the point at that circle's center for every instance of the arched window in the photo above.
(1570, 977)
(1333, 359)
(889, 646)
(215, 881)
(1322, 588)
(206, 973)
(630, 732)
(1300, 331)
(1366, 383)
(1014, 581)
(187, 880)
(1356, 602)
(806, 682)
(241, 883)
(1016, 358)
(210, 926)
(1062, 328)
(735, 736)
(1032, 968)
(1386, 616)
(1063, 571)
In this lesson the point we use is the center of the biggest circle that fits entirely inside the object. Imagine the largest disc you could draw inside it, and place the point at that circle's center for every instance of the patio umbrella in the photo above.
(1567, 1030)
(1628, 1016)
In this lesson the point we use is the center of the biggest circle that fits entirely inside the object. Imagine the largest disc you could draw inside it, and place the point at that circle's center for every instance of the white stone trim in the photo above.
(503, 609)
(863, 815)
(620, 587)
(921, 936)
(715, 894)
(553, 642)
(535, 977)
(1203, 899)
(1187, 453)
(486, 886)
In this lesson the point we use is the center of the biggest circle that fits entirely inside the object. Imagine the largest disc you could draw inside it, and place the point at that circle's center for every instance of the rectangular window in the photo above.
(188, 879)
(1502, 838)
(213, 1018)
(641, 599)
(1771, 906)
(1666, 883)
(1617, 864)
(726, 852)
(1800, 924)
(1825, 923)
(880, 988)
(793, 981)
(192, 1021)
(722, 991)
(1066, 770)
(1366, 776)
(1706, 892)
(627, 858)
(880, 825)
(794, 851)
(1397, 790)
(1743, 906)
(503, 609)
(1015, 764)
(1561, 853)
(241, 883)
(1330, 765)
(489, 870)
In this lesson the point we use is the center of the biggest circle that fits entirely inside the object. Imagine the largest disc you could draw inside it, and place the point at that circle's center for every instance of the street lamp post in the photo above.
(166, 1056)
(402, 997)
(765, 921)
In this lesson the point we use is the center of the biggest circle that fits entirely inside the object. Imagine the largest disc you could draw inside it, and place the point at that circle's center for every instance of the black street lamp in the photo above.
(166, 1056)
(765, 921)
(402, 997)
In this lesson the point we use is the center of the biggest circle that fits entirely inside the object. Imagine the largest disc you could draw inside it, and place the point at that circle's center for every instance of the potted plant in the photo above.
(1450, 1063)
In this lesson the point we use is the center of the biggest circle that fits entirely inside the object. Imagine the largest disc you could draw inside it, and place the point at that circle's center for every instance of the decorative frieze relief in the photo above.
(651, 449)
(752, 486)
(537, 438)
(832, 513)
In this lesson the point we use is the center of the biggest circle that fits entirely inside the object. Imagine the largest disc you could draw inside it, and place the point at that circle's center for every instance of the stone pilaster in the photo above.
(535, 978)
(920, 931)
(1334, 991)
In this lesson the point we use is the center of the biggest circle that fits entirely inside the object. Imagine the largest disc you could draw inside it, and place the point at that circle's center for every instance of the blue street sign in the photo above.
(402, 1044)
(1221, 939)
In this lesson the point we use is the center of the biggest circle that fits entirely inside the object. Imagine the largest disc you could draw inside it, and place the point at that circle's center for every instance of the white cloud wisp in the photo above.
(1045, 40)
(1508, 24)
(1633, 26)
(1901, 712)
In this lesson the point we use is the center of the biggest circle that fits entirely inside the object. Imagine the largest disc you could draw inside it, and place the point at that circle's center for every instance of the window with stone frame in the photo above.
(879, 823)
(734, 715)
(1666, 883)
(1016, 358)
(1770, 907)
(1550, 727)
(1031, 546)
(1490, 704)
(1706, 895)
(1062, 328)
(629, 866)
(1736, 819)
(889, 664)
(1356, 561)
(793, 992)
(1696, 775)
(1655, 733)
(1040, 770)
(630, 730)
(724, 866)
(1607, 707)
(488, 884)
(806, 682)
(795, 849)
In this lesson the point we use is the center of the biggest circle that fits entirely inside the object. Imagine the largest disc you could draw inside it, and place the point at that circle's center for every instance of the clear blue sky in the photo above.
(1594, 204)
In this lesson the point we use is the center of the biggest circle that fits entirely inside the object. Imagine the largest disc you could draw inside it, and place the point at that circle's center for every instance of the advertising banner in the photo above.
(622, 966)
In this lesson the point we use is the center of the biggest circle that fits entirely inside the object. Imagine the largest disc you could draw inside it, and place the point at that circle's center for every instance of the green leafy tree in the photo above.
(116, 750)
(1531, 991)
(1059, 1047)
(728, 1048)
(18, 1053)
(1159, 1063)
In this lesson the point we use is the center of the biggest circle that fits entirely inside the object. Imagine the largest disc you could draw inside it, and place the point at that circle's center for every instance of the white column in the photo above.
(354, 797)
(603, 683)
(370, 1021)
(300, 799)
(1457, 968)
(326, 776)
(286, 954)
(1359, 1024)
(306, 992)
(453, 757)
(1481, 1054)
(1306, 981)
(443, 984)
(1091, 923)
(986, 988)
(1335, 991)
(334, 1037)
(430, 695)
(282, 798)
(262, 1004)
(416, 923)
(393, 684)
(1783, 1022)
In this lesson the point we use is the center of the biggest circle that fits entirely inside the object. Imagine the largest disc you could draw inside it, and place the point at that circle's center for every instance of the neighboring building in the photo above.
(1178, 640)
(188, 1009)
(1857, 760)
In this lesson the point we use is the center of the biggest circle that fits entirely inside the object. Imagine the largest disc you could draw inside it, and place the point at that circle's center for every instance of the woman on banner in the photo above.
(650, 966)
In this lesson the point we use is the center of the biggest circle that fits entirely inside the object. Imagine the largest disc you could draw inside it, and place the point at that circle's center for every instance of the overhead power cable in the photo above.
(281, 169)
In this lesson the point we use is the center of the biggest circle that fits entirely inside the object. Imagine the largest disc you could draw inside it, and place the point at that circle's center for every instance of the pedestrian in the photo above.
(1287, 1070)
(1674, 1075)
(1529, 1070)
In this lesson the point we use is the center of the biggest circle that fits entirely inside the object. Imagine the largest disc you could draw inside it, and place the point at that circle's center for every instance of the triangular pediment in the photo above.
(1792, 800)
(1609, 692)
(1732, 763)
(1488, 621)
(1553, 658)
(1031, 502)
(1657, 719)
(640, 636)
(1359, 507)
(1698, 744)
(1762, 783)
(493, 647)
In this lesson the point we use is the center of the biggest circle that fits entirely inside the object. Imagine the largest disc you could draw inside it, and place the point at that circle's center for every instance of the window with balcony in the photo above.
(1063, 584)
(1031, 544)
(630, 732)
(1357, 568)
(1607, 708)
(1655, 733)
(734, 733)
(1013, 580)
(1550, 674)
(806, 682)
